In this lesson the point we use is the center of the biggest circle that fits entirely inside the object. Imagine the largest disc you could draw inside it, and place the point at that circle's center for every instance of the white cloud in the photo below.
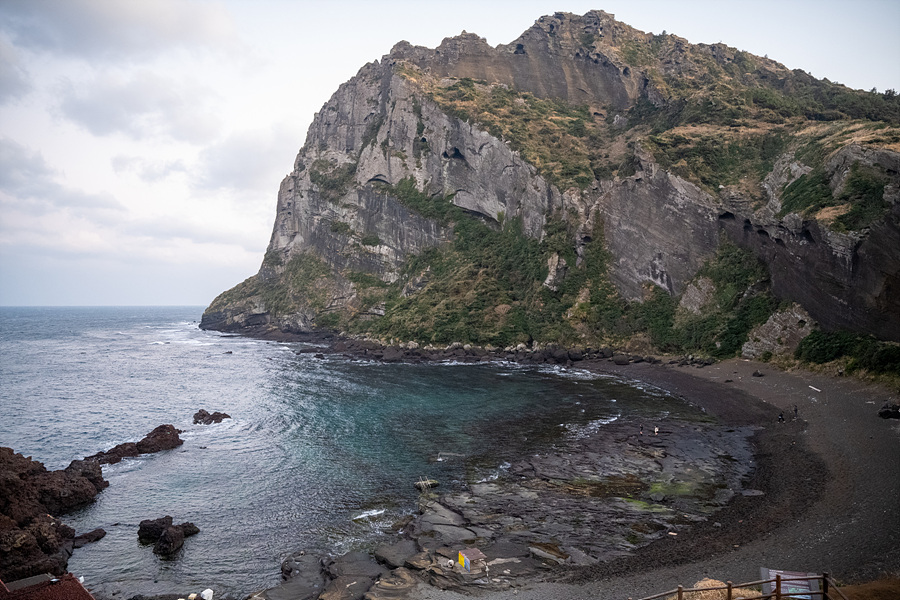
(142, 105)
(115, 30)
(29, 185)
(14, 79)
(249, 160)
(149, 171)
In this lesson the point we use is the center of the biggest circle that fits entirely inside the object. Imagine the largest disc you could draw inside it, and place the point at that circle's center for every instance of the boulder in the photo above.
(164, 437)
(150, 530)
(89, 538)
(90, 470)
(43, 545)
(302, 587)
(165, 537)
(204, 417)
(304, 566)
(355, 564)
(392, 354)
(396, 554)
(189, 529)
(889, 411)
(171, 540)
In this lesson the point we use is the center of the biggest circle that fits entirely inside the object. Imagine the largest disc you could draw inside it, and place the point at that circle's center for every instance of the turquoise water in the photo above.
(321, 453)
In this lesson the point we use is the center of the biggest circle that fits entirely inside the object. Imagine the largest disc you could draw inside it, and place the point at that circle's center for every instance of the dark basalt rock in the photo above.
(621, 359)
(396, 554)
(89, 538)
(171, 540)
(165, 537)
(150, 530)
(164, 437)
(889, 411)
(189, 529)
(203, 417)
(32, 541)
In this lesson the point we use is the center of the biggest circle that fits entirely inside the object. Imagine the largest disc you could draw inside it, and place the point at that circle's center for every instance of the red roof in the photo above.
(66, 587)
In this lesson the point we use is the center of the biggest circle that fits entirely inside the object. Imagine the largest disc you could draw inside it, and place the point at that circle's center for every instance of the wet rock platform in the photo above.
(598, 494)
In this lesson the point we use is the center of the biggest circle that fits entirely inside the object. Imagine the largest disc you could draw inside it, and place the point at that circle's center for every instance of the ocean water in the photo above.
(321, 453)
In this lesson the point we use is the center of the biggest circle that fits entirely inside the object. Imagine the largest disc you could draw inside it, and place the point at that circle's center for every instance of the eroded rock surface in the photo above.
(204, 417)
(164, 437)
(32, 539)
(166, 538)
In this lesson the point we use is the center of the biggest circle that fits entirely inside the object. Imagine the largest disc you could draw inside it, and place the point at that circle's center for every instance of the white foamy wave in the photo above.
(585, 375)
(369, 514)
(582, 431)
(495, 474)
(194, 343)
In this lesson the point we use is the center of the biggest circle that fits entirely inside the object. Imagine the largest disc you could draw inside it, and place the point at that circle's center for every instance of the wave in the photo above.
(579, 432)
(369, 514)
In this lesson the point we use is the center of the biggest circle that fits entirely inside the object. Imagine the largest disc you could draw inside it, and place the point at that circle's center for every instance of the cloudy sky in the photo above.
(142, 142)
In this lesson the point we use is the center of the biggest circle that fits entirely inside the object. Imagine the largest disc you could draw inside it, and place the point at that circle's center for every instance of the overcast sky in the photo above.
(142, 142)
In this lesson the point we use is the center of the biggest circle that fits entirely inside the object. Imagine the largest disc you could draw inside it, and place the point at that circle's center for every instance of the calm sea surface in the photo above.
(320, 454)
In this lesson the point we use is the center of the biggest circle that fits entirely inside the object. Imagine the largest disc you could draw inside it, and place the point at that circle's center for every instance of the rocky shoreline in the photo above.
(696, 492)
(595, 507)
(33, 540)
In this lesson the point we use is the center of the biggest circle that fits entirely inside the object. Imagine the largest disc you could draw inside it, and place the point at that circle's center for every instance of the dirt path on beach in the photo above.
(831, 483)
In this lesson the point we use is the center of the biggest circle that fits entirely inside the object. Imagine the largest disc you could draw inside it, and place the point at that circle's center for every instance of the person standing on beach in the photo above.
(655, 430)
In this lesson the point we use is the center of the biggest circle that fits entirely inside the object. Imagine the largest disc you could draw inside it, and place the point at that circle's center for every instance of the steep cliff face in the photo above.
(660, 229)
(844, 279)
(560, 56)
(615, 152)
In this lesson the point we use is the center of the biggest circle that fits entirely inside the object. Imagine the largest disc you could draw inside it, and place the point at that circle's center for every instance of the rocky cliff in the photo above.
(560, 188)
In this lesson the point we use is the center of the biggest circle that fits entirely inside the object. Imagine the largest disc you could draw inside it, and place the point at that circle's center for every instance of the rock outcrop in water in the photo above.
(204, 417)
(166, 537)
(164, 437)
(32, 539)
(534, 191)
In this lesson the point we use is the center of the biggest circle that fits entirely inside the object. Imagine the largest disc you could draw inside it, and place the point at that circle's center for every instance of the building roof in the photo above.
(66, 587)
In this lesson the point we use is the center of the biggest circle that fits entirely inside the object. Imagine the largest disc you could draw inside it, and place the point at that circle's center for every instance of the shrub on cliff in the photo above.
(862, 352)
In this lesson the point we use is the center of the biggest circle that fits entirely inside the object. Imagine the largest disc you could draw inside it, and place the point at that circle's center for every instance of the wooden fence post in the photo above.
(728, 591)
(777, 586)
(680, 592)
(824, 586)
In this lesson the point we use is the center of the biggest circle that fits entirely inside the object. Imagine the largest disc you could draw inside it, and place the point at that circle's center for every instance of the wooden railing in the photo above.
(828, 590)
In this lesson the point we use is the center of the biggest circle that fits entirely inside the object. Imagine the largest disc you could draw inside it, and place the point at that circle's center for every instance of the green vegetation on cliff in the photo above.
(723, 126)
(859, 351)
(487, 288)
(282, 288)
(563, 141)
(740, 301)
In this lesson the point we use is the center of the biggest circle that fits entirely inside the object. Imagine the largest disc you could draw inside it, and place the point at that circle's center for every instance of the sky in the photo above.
(142, 142)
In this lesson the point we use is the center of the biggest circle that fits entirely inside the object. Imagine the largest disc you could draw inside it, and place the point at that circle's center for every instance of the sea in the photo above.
(321, 453)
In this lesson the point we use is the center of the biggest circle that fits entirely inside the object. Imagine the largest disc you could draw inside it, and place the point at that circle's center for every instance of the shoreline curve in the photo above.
(831, 480)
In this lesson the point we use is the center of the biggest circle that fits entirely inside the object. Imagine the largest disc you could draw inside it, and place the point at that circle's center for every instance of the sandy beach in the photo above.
(830, 477)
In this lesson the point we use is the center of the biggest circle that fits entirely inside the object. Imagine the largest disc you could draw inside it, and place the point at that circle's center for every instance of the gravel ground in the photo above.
(831, 480)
